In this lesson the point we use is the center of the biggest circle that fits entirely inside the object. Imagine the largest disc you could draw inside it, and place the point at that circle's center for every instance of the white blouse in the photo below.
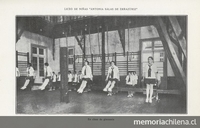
(75, 78)
(48, 70)
(115, 72)
(88, 72)
(30, 71)
(17, 72)
(133, 79)
(58, 77)
(70, 77)
(153, 71)
(54, 78)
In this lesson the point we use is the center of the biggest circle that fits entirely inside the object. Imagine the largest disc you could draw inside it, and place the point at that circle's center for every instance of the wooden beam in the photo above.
(64, 95)
(121, 32)
(165, 72)
(74, 63)
(143, 90)
(167, 43)
(16, 58)
(115, 58)
(92, 63)
(178, 32)
(27, 54)
(16, 30)
(20, 25)
(103, 64)
(84, 47)
(140, 66)
(53, 49)
(19, 34)
(79, 41)
(83, 50)
(127, 62)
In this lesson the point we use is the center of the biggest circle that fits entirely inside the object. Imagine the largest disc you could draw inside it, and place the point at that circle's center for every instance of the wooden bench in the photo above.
(121, 86)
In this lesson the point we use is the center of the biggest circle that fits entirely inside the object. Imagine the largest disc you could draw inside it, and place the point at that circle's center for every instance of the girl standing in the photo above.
(150, 73)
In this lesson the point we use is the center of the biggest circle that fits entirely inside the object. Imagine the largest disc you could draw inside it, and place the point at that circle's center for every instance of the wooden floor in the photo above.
(95, 102)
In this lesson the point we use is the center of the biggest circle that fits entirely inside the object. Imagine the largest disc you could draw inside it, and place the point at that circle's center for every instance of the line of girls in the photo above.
(50, 78)
(150, 78)
(53, 80)
(85, 76)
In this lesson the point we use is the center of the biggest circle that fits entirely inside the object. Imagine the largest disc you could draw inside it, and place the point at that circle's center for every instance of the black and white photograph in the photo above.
(98, 64)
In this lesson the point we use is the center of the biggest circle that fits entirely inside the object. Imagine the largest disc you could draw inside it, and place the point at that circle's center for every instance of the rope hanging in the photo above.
(94, 59)
(108, 58)
(128, 37)
(66, 34)
(75, 49)
(91, 52)
(99, 43)
(84, 43)
(130, 57)
(113, 57)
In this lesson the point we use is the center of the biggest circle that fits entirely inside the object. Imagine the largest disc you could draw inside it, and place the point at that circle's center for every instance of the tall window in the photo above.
(154, 48)
(38, 60)
(71, 56)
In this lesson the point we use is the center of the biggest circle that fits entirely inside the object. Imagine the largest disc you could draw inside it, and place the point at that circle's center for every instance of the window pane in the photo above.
(161, 54)
(41, 66)
(34, 63)
(158, 45)
(71, 51)
(156, 56)
(143, 67)
(71, 60)
(162, 57)
(34, 50)
(41, 51)
(147, 46)
(41, 73)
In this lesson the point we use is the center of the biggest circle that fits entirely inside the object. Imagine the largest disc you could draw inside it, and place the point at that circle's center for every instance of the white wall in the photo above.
(28, 38)
(114, 44)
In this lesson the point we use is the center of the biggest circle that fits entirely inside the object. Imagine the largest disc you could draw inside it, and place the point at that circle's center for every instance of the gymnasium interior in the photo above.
(66, 41)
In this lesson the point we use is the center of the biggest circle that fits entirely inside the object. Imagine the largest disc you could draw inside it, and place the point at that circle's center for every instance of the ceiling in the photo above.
(62, 26)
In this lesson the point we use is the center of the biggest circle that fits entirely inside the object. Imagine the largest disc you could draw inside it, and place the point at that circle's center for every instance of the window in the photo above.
(71, 51)
(71, 56)
(34, 50)
(158, 45)
(41, 51)
(35, 63)
(161, 57)
(147, 46)
(154, 48)
(162, 54)
(41, 66)
(71, 60)
(38, 60)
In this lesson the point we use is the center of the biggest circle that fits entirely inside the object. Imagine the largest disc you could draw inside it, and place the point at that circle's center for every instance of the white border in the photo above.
(10, 8)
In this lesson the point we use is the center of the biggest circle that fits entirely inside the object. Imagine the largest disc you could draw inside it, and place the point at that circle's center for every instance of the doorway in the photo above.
(154, 47)
(38, 58)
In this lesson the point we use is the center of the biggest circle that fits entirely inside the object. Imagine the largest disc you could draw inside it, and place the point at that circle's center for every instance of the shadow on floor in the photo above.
(95, 102)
